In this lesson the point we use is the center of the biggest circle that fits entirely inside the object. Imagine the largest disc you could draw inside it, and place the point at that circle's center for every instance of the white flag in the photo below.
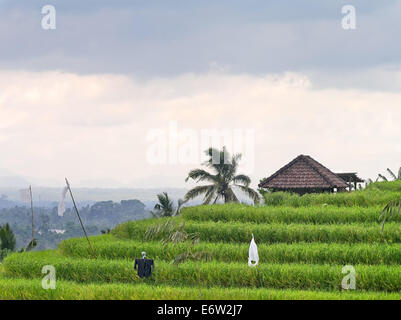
(61, 206)
(25, 195)
(253, 254)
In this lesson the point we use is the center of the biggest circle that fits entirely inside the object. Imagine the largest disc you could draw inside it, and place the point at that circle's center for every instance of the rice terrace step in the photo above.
(302, 252)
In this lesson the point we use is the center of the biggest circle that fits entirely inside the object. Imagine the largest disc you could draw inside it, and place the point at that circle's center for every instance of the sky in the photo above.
(121, 93)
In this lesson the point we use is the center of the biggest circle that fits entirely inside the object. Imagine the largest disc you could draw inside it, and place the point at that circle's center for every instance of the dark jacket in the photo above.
(144, 267)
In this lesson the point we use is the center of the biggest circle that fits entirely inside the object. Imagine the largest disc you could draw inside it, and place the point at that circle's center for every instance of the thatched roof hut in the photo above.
(351, 178)
(304, 175)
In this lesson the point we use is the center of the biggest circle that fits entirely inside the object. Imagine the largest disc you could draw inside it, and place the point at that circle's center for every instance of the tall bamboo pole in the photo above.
(30, 192)
(79, 217)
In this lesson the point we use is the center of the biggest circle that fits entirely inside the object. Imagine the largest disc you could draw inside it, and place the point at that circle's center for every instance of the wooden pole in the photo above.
(30, 192)
(79, 217)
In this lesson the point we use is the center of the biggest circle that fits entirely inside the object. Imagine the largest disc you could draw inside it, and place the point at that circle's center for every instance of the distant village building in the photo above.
(306, 175)
(351, 179)
(57, 231)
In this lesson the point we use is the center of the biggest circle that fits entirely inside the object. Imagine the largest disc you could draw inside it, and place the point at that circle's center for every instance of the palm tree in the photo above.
(392, 209)
(222, 180)
(392, 174)
(165, 206)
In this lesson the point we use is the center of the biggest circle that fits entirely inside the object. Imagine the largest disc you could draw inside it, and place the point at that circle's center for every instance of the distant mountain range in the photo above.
(49, 197)
(11, 183)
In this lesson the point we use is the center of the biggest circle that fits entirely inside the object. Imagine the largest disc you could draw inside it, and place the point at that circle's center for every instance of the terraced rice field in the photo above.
(302, 252)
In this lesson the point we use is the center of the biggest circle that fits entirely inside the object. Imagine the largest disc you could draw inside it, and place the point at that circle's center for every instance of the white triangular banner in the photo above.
(253, 259)
(61, 205)
(25, 195)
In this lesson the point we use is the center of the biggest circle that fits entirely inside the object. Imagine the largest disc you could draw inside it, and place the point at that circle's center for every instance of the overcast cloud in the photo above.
(148, 38)
(80, 101)
(100, 131)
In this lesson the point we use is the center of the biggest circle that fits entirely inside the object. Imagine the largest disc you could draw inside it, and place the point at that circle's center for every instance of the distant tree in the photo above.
(106, 215)
(165, 206)
(7, 238)
(103, 208)
(222, 180)
(44, 222)
(132, 205)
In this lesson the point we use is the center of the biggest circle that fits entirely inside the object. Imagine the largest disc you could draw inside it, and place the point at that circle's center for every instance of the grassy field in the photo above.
(302, 250)
(20, 289)
(109, 247)
(233, 232)
(283, 214)
(234, 274)
(376, 194)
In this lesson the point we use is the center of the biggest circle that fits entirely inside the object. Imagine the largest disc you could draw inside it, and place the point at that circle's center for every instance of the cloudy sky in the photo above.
(116, 80)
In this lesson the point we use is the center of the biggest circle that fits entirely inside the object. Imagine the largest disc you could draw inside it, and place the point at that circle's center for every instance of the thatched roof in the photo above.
(303, 173)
